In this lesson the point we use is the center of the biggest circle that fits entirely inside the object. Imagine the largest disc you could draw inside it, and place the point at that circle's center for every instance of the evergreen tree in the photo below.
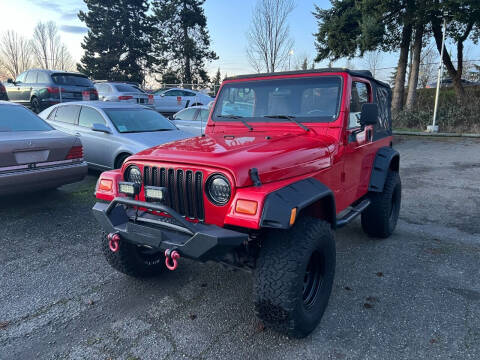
(182, 41)
(117, 45)
(216, 81)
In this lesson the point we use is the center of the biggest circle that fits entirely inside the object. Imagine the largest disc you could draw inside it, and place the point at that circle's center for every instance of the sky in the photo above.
(228, 22)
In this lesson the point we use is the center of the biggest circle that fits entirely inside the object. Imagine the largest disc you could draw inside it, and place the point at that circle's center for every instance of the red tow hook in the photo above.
(174, 256)
(113, 242)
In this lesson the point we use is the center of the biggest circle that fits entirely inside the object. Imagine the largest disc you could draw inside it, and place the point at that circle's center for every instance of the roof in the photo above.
(49, 71)
(2, 102)
(105, 104)
(360, 73)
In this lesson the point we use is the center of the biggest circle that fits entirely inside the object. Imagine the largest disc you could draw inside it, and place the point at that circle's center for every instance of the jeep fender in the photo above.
(386, 158)
(302, 194)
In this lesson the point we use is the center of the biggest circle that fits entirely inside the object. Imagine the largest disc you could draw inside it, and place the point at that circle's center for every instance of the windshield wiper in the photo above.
(237, 117)
(288, 117)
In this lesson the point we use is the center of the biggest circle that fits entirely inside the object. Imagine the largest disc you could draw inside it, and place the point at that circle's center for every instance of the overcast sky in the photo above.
(228, 22)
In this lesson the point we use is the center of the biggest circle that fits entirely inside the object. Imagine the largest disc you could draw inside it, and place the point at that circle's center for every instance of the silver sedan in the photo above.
(122, 92)
(111, 132)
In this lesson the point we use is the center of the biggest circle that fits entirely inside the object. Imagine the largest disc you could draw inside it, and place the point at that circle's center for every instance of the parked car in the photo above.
(262, 191)
(33, 155)
(173, 100)
(110, 131)
(192, 119)
(3, 92)
(449, 83)
(39, 89)
(123, 92)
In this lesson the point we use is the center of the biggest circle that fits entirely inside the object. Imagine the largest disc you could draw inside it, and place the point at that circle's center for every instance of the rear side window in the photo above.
(71, 79)
(89, 116)
(31, 77)
(18, 118)
(203, 115)
(187, 114)
(188, 93)
(67, 114)
(42, 78)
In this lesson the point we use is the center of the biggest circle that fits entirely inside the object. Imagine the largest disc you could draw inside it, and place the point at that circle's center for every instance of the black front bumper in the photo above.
(196, 241)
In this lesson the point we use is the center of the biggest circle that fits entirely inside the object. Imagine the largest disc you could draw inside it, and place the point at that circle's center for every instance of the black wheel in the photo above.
(120, 160)
(35, 105)
(294, 276)
(133, 260)
(380, 218)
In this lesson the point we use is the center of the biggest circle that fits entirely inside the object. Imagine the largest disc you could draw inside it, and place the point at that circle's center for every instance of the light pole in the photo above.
(433, 127)
(290, 54)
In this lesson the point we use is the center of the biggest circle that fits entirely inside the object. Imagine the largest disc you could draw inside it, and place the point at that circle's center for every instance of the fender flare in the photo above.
(385, 159)
(279, 204)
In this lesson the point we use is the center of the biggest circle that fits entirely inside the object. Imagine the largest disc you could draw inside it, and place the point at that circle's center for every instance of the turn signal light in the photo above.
(293, 216)
(248, 207)
(105, 185)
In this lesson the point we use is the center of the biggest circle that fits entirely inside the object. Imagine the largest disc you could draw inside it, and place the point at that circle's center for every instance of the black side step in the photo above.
(357, 210)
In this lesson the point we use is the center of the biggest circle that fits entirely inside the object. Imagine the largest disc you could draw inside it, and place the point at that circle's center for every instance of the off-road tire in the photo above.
(281, 272)
(380, 218)
(130, 260)
(35, 105)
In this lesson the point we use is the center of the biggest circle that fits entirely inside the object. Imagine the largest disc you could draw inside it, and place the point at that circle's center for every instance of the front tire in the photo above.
(380, 218)
(133, 260)
(35, 105)
(294, 277)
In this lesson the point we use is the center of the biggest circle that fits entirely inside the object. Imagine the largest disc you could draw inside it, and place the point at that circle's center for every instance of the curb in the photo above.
(418, 133)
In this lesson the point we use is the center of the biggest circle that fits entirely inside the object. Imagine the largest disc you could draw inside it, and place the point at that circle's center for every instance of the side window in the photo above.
(51, 116)
(358, 97)
(203, 115)
(187, 114)
(174, 93)
(67, 114)
(89, 116)
(42, 78)
(188, 93)
(21, 78)
(31, 77)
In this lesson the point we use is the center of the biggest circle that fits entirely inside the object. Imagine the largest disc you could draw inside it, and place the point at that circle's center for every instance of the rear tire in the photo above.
(380, 218)
(120, 160)
(35, 105)
(133, 260)
(294, 277)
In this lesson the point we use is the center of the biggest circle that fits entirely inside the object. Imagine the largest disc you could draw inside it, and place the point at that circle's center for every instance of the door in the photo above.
(187, 120)
(97, 146)
(359, 150)
(66, 118)
(174, 100)
(27, 87)
(13, 90)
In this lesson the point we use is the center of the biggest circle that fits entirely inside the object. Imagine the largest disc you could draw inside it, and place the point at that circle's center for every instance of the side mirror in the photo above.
(10, 81)
(101, 128)
(369, 114)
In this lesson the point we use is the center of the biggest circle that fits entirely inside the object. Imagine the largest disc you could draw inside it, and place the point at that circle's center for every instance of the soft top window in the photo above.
(312, 99)
(18, 118)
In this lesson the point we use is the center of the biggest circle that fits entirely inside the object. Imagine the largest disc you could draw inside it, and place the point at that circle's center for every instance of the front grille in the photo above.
(184, 188)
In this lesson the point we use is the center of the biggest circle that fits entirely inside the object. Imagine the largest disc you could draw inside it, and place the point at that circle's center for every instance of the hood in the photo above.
(276, 157)
(148, 139)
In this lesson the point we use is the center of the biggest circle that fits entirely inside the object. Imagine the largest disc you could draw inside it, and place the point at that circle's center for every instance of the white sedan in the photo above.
(173, 100)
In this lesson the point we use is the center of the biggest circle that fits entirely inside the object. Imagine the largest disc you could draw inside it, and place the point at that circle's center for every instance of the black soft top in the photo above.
(360, 73)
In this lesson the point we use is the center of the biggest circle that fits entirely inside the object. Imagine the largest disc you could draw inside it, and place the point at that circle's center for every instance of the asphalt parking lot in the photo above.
(414, 295)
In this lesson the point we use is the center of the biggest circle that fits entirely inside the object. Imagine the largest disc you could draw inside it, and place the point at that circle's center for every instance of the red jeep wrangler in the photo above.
(286, 159)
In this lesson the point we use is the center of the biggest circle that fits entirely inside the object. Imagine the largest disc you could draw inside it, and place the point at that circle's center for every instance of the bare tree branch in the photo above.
(15, 53)
(48, 49)
(269, 36)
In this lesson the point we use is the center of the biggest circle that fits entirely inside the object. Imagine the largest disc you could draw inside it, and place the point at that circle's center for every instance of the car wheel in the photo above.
(35, 105)
(120, 160)
(134, 260)
(294, 276)
(380, 218)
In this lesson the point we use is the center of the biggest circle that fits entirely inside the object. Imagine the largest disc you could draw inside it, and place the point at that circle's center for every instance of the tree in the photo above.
(427, 66)
(373, 60)
(117, 45)
(464, 23)
(268, 38)
(181, 41)
(15, 54)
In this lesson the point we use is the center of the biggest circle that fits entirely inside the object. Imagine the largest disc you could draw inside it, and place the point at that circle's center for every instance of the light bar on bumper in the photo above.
(129, 188)
(155, 193)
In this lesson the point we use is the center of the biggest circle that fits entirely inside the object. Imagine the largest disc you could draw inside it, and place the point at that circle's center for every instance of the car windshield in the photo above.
(315, 99)
(126, 88)
(138, 120)
(18, 118)
(71, 79)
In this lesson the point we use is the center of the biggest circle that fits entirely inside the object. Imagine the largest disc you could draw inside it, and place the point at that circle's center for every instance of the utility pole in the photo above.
(434, 127)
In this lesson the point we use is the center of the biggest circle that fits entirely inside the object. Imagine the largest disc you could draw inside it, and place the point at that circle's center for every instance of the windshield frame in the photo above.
(302, 119)
(107, 110)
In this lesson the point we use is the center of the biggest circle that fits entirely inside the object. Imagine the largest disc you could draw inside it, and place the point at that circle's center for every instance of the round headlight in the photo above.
(218, 189)
(133, 174)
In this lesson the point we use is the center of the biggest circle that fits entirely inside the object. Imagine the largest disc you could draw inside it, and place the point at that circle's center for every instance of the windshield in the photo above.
(138, 120)
(70, 79)
(314, 99)
(18, 118)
